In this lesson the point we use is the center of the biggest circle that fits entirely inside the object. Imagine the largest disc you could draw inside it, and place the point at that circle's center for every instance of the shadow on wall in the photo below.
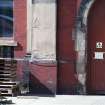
(19, 47)
(37, 88)
(73, 90)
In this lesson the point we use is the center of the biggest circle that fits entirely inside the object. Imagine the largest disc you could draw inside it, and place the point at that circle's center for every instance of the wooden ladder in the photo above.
(8, 84)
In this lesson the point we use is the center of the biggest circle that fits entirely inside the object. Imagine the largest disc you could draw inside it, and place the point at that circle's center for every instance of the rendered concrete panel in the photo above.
(43, 1)
(42, 42)
(29, 25)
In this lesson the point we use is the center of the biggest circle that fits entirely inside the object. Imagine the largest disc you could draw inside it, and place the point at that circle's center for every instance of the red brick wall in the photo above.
(78, 4)
(40, 75)
(67, 10)
(20, 25)
(42, 78)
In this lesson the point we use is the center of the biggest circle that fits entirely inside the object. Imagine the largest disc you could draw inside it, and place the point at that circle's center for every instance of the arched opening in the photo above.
(90, 39)
(81, 43)
(96, 48)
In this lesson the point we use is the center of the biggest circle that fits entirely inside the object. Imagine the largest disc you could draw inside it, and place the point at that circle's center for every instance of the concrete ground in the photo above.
(59, 100)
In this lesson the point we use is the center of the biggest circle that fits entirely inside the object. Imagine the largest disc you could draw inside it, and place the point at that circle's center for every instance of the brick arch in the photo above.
(80, 42)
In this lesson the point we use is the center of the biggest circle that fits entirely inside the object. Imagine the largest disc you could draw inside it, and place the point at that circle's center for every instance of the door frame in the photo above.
(81, 41)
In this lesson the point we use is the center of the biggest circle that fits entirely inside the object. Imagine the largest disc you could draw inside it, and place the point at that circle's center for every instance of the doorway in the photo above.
(96, 48)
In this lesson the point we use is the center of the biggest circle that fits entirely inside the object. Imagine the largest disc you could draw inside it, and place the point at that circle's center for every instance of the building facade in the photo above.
(53, 44)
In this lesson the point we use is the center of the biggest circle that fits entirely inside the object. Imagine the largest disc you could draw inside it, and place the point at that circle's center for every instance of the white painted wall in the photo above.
(42, 29)
(29, 25)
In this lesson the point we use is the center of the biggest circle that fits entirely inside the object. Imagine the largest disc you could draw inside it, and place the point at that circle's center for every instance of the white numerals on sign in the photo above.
(99, 55)
(99, 45)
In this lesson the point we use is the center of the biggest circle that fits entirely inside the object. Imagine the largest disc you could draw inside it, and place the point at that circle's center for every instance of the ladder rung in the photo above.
(5, 79)
(7, 85)
(5, 74)
(6, 94)
(5, 89)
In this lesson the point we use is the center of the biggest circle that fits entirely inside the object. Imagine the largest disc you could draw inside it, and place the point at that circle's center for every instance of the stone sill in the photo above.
(7, 42)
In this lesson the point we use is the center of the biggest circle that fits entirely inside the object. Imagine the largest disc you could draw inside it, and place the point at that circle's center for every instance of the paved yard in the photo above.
(59, 100)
